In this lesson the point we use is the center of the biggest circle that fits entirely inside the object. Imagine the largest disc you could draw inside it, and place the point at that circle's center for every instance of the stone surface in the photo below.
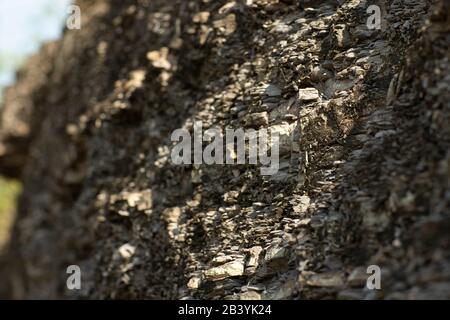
(308, 94)
(230, 269)
(364, 166)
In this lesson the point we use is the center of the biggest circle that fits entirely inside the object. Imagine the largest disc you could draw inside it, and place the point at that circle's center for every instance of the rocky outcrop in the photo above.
(364, 163)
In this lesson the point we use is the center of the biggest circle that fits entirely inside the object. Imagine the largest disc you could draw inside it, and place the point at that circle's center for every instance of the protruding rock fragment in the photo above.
(194, 283)
(272, 91)
(308, 94)
(126, 251)
(331, 279)
(230, 269)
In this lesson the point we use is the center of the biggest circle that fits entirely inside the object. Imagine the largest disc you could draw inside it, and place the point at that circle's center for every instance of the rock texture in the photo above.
(365, 164)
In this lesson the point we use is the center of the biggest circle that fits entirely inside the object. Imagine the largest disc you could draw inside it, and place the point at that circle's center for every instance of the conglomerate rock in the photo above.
(363, 117)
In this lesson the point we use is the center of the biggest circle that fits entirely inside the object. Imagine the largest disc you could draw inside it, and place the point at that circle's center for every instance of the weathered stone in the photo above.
(301, 205)
(194, 283)
(126, 251)
(250, 295)
(308, 94)
(257, 119)
(272, 91)
(358, 277)
(332, 279)
(230, 269)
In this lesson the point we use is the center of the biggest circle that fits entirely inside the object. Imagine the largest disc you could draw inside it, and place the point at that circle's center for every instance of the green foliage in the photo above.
(9, 191)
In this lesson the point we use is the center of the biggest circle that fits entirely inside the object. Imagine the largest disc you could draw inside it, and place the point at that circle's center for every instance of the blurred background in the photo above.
(24, 26)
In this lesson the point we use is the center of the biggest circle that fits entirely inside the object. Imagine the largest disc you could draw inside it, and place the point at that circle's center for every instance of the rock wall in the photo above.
(364, 158)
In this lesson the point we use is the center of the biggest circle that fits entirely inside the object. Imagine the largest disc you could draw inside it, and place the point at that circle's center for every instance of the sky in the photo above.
(24, 26)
